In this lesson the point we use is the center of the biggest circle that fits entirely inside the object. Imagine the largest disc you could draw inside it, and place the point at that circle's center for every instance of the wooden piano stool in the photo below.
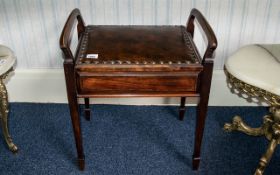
(137, 61)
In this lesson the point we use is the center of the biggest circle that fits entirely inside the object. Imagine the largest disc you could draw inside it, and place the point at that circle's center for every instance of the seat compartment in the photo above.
(137, 82)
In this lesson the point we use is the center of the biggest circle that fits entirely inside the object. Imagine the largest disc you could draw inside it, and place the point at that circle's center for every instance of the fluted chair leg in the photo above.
(4, 116)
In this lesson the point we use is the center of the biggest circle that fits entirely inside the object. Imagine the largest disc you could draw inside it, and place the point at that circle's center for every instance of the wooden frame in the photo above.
(198, 79)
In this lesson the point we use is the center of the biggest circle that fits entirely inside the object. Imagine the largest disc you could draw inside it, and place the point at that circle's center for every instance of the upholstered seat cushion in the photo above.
(257, 65)
(7, 59)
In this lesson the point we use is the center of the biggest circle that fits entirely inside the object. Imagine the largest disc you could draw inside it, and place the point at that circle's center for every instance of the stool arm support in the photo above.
(67, 32)
(212, 40)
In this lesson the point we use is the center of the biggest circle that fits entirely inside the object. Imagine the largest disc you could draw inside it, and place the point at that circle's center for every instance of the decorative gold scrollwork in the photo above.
(271, 124)
(239, 87)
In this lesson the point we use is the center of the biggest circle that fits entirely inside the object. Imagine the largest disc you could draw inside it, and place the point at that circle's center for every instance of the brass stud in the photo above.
(145, 62)
(170, 62)
(128, 62)
(112, 62)
(161, 62)
(136, 62)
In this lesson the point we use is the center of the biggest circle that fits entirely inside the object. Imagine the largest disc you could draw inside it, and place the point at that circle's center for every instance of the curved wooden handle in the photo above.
(67, 32)
(212, 40)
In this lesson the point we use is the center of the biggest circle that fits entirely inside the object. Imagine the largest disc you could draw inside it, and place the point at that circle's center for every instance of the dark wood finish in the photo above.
(70, 79)
(143, 43)
(182, 108)
(205, 85)
(87, 109)
(116, 94)
(137, 61)
(205, 78)
(143, 82)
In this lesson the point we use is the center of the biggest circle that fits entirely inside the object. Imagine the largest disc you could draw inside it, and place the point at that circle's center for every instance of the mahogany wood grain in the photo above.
(137, 82)
(142, 43)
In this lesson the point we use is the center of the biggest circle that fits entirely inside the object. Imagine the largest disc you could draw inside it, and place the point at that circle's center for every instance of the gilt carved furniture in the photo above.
(253, 71)
(137, 61)
(7, 60)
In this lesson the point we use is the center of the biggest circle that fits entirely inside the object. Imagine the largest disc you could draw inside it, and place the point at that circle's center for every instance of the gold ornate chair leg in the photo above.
(239, 125)
(270, 128)
(4, 116)
(266, 157)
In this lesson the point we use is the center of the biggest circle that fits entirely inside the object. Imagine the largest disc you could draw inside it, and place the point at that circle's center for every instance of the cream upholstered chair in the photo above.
(7, 60)
(254, 70)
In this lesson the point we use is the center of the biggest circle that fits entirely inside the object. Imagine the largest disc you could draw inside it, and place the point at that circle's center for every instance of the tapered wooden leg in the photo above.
(200, 121)
(204, 89)
(87, 109)
(4, 117)
(74, 111)
(182, 108)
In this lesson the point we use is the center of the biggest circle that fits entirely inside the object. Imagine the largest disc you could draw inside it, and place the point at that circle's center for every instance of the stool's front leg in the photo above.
(205, 84)
(205, 77)
(4, 116)
(74, 110)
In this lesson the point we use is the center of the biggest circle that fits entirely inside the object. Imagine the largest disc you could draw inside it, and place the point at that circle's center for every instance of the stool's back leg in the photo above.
(87, 109)
(182, 108)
